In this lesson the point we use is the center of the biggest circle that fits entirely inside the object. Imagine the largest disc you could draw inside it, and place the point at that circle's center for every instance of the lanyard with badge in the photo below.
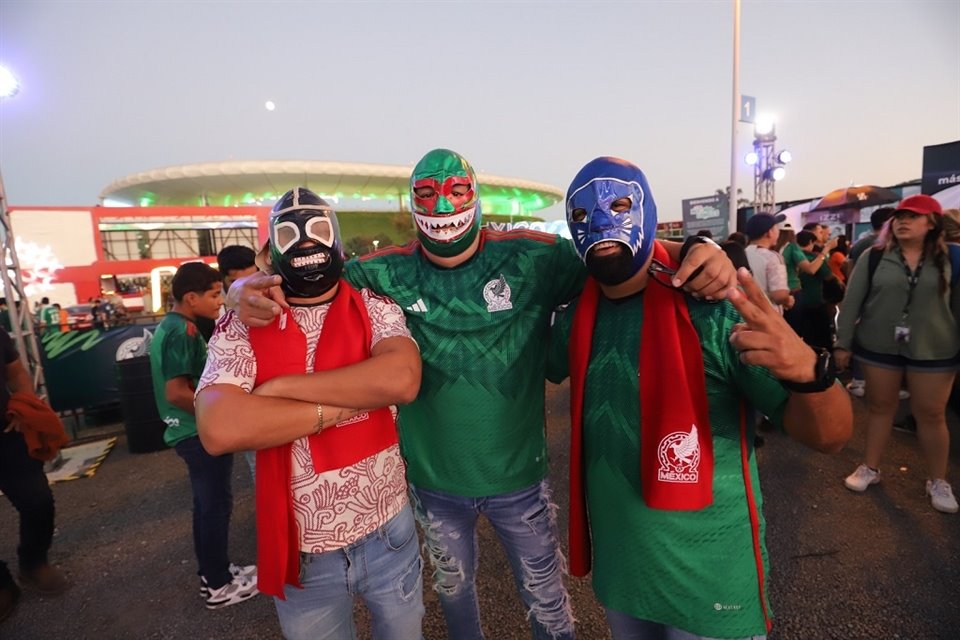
(901, 332)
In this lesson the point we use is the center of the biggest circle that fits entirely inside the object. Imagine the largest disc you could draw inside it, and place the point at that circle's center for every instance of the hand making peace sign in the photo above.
(764, 338)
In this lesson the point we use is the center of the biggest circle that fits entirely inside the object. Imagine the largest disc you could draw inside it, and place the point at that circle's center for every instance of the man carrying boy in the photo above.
(177, 355)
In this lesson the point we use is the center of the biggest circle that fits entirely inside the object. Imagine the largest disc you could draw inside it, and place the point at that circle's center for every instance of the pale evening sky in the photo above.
(525, 89)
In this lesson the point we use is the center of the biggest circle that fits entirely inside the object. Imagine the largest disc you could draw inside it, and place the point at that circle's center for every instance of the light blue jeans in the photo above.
(383, 568)
(624, 627)
(526, 523)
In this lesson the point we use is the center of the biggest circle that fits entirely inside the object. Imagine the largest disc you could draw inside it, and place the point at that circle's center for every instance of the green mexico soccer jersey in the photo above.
(477, 425)
(792, 257)
(50, 317)
(177, 349)
(700, 571)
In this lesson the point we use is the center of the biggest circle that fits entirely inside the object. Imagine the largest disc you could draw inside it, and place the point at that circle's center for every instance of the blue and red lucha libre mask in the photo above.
(609, 205)
(305, 245)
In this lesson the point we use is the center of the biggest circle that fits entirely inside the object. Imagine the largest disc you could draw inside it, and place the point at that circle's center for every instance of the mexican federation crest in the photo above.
(134, 347)
(497, 295)
(679, 457)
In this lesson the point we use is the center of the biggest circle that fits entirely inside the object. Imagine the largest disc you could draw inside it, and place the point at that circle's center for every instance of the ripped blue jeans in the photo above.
(526, 523)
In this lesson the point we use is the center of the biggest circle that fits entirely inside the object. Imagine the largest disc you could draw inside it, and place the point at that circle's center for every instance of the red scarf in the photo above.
(672, 398)
(344, 339)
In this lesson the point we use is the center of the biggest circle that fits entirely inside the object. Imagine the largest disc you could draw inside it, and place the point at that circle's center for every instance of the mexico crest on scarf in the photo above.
(679, 455)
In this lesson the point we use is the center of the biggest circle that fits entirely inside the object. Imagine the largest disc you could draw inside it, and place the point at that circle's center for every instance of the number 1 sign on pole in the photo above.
(748, 109)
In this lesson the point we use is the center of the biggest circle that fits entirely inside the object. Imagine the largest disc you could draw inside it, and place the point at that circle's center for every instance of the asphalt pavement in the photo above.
(883, 564)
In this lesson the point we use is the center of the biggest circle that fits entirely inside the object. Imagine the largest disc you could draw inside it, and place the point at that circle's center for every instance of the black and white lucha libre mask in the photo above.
(305, 245)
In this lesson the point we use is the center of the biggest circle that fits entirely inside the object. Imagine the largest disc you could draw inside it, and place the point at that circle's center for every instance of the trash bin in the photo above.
(103, 414)
(141, 421)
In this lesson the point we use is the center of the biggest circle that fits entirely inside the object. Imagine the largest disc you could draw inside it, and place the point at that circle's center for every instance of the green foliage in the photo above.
(360, 228)
(390, 228)
(741, 201)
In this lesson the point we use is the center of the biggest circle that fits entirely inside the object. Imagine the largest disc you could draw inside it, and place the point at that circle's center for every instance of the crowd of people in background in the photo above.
(98, 313)
(887, 306)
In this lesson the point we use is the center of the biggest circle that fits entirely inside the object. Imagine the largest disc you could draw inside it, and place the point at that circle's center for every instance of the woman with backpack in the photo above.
(900, 318)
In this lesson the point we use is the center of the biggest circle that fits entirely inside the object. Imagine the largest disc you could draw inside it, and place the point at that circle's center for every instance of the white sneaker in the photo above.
(941, 496)
(862, 478)
(857, 387)
(245, 570)
(237, 590)
(903, 394)
(242, 571)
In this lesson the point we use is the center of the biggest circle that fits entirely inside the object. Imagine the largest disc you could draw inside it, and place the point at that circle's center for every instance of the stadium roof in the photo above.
(259, 182)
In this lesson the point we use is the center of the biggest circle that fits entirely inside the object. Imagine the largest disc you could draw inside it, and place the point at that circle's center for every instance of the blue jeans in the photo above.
(384, 568)
(212, 506)
(624, 627)
(526, 523)
(23, 483)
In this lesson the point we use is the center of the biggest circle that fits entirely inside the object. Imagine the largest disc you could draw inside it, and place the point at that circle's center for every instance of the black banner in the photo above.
(941, 167)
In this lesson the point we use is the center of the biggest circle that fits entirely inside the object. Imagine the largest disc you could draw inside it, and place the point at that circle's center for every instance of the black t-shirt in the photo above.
(8, 353)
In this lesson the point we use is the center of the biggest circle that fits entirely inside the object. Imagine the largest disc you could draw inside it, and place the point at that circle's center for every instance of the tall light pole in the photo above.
(21, 321)
(734, 116)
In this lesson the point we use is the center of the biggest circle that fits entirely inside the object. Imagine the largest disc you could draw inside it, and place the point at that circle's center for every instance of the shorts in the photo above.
(903, 363)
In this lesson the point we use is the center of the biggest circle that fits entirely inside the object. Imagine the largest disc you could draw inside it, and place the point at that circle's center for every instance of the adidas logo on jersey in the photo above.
(417, 307)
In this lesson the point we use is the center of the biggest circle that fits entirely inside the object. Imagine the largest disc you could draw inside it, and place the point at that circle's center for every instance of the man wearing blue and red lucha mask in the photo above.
(664, 494)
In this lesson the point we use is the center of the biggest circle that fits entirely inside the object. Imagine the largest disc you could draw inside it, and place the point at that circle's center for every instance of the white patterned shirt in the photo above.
(337, 507)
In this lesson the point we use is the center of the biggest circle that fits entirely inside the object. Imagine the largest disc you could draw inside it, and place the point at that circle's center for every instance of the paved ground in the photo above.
(845, 566)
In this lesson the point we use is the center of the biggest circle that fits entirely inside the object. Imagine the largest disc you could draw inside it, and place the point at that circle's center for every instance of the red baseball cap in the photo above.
(924, 205)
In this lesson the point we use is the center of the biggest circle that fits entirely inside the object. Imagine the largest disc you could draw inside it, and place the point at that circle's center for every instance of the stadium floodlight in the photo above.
(784, 157)
(764, 126)
(751, 158)
(778, 173)
(9, 86)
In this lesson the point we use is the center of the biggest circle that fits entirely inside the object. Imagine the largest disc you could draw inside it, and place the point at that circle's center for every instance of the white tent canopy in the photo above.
(949, 198)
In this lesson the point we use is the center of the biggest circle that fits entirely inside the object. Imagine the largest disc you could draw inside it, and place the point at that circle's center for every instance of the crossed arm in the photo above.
(285, 408)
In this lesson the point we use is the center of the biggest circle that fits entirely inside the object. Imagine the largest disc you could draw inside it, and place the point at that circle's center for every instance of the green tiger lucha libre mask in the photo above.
(308, 269)
(445, 203)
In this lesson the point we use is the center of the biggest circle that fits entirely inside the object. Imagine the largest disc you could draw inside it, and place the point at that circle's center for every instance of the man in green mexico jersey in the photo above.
(479, 302)
(665, 504)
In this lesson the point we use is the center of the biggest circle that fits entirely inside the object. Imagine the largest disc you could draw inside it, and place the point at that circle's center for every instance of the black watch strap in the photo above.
(690, 241)
(825, 373)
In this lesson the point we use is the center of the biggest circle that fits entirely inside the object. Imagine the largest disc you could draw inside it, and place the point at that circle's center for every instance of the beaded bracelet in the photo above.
(319, 419)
